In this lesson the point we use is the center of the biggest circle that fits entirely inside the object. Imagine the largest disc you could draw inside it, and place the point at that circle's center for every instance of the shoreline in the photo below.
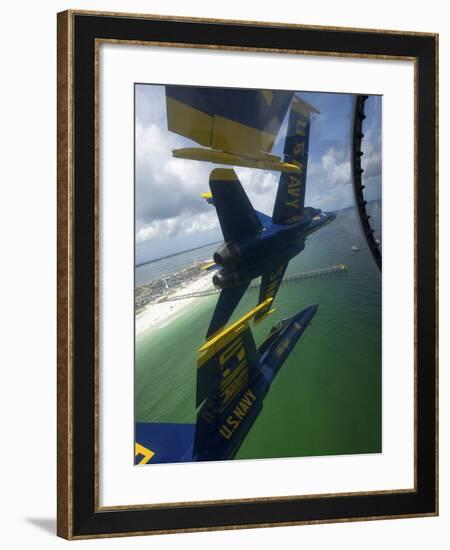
(157, 314)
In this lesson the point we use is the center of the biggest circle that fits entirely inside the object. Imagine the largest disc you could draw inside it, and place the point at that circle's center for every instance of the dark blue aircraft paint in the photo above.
(260, 109)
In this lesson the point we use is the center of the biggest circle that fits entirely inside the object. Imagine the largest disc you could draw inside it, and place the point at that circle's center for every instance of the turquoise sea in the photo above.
(326, 399)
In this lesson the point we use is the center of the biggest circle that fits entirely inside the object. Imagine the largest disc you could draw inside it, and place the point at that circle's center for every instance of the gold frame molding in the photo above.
(65, 266)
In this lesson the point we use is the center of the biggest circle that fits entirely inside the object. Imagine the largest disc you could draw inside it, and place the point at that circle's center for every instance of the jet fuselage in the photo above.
(243, 260)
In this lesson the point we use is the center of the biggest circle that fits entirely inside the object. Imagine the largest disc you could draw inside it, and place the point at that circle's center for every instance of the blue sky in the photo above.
(171, 216)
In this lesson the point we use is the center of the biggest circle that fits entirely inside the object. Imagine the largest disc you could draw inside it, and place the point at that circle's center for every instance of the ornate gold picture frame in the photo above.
(80, 513)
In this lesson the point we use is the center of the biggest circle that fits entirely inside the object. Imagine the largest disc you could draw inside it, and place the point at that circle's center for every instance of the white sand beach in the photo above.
(156, 315)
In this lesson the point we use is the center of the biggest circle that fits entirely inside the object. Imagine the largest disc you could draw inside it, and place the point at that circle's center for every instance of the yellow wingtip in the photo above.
(223, 174)
(231, 330)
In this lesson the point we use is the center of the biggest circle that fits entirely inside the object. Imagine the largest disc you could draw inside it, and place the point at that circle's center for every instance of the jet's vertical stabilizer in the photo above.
(290, 199)
(216, 353)
(236, 214)
(227, 364)
(234, 376)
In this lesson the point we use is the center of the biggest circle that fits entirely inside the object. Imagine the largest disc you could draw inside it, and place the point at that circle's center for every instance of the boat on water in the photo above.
(355, 248)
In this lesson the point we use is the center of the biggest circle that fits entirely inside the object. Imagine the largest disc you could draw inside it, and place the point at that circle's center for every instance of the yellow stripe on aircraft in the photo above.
(187, 121)
(146, 453)
(261, 160)
(223, 174)
(206, 195)
(222, 338)
(235, 137)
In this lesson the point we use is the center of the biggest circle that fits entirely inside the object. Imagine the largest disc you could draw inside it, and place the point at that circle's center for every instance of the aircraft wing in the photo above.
(226, 304)
(290, 199)
(237, 217)
(162, 442)
(270, 283)
(228, 119)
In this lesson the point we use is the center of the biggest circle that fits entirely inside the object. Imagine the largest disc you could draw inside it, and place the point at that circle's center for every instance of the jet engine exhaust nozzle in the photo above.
(223, 280)
(226, 254)
(218, 280)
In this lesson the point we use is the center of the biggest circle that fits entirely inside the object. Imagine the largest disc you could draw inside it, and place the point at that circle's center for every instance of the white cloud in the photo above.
(336, 164)
(371, 160)
(330, 178)
(184, 224)
(261, 187)
(166, 188)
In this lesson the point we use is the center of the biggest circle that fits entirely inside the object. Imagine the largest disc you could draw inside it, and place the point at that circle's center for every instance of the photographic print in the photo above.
(247, 274)
(257, 274)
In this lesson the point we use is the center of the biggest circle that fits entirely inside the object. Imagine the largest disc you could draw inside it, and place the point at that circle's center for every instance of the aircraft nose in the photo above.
(311, 310)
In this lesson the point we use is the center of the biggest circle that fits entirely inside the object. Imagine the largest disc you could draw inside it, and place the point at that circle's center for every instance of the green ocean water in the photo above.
(326, 399)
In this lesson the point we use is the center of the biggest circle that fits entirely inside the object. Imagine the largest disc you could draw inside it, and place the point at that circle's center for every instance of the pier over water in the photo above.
(290, 278)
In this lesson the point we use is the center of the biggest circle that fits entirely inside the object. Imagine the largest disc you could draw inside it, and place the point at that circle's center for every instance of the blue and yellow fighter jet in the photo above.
(233, 377)
(256, 244)
(239, 127)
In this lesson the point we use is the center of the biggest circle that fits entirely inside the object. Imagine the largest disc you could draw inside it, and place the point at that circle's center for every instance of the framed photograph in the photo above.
(247, 274)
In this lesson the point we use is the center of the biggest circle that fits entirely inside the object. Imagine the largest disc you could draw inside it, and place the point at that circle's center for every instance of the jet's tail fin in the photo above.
(226, 365)
(237, 217)
(263, 218)
(290, 199)
(270, 283)
(243, 377)
(232, 351)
